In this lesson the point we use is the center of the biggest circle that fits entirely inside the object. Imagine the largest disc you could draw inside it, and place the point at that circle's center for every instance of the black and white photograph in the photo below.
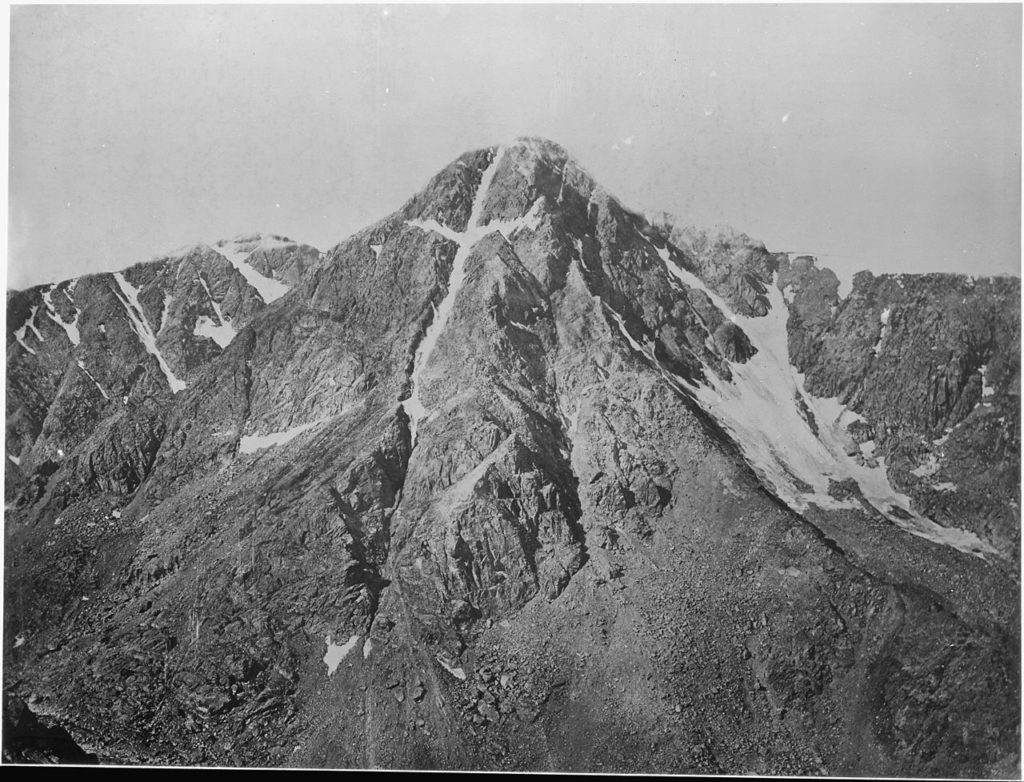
(549, 387)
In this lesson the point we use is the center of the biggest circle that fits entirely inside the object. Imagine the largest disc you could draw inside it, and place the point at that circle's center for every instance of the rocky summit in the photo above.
(515, 478)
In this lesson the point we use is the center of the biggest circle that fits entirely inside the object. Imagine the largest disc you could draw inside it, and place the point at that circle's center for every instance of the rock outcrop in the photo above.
(516, 478)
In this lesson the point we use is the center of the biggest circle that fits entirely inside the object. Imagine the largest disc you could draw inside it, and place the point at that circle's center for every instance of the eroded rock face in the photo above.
(96, 362)
(496, 483)
(932, 363)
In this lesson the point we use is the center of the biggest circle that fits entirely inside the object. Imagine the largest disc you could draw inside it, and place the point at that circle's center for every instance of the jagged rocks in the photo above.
(537, 543)
(919, 358)
(732, 342)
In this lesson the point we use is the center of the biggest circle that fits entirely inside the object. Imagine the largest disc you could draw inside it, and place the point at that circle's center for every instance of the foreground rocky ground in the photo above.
(476, 489)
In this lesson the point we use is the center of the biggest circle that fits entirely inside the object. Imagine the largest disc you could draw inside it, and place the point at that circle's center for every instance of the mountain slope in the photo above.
(516, 478)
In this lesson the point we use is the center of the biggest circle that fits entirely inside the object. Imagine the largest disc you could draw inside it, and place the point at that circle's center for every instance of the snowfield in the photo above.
(761, 409)
(238, 251)
(255, 442)
(222, 333)
(336, 653)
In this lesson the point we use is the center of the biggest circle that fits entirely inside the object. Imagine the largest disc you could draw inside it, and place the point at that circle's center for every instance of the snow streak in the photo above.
(475, 231)
(237, 253)
(761, 409)
(256, 442)
(129, 296)
(70, 328)
(19, 334)
(81, 365)
(222, 333)
(337, 652)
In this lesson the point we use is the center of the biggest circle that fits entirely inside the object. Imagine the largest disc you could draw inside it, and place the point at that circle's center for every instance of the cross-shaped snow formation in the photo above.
(475, 231)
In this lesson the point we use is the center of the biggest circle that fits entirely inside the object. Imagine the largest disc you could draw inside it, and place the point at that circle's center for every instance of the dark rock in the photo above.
(567, 496)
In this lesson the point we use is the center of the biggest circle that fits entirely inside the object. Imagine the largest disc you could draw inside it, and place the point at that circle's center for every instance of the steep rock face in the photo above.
(932, 363)
(489, 510)
(512, 478)
(93, 362)
(276, 258)
(732, 264)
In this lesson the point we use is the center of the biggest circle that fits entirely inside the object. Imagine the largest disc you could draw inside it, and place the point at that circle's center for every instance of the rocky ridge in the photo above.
(347, 520)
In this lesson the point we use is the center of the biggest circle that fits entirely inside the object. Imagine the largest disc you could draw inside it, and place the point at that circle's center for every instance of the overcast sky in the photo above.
(878, 137)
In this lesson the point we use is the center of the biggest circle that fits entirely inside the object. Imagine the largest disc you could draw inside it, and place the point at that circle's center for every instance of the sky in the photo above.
(880, 137)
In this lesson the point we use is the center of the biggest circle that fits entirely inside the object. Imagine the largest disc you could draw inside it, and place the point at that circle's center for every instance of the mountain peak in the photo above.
(472, 434)
(541, 147)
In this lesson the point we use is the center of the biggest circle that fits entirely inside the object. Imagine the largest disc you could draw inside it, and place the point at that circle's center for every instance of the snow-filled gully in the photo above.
(474, 232)
(338, 652)
(269, 289)
(256, 442)
(760, 408)
(20, 333)
(71, 329)
(129, 296)
(222, 333)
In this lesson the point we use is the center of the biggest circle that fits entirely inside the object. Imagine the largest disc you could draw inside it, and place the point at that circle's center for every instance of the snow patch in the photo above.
(376, 249)
(31, 323)
(436, 227)
(19, 335)
(625, 332)
(458, 673)
(945, 486)
(256, 442)
(757, 409)
(474, 232)
(578, 243)
(986, 389)
(70, 328)
(14, 459)
(531, 220)
(367, 648)
(221, 333)
(163, 313)
(130, 300)
(336, 653)
(884, 318)
(238, 251)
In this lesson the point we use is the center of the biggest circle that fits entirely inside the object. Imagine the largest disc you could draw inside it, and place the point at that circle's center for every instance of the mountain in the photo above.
(517, 478)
